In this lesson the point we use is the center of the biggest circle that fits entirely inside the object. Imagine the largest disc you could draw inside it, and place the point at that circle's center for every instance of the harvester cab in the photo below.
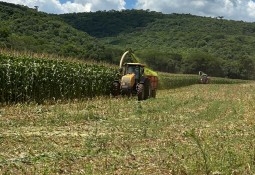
(133, 81)
(134, 68)
(131, 76)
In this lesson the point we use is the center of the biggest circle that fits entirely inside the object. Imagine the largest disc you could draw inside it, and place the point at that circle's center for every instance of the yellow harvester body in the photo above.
(128, 81)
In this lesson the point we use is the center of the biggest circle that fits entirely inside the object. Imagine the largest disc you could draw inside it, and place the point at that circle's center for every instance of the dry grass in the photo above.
(199, 129)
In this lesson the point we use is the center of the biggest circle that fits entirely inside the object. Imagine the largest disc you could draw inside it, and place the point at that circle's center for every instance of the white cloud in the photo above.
(230, 9)
(70, 7)
(50, 6)
(251, 9)
(103, 4)
(54, 6)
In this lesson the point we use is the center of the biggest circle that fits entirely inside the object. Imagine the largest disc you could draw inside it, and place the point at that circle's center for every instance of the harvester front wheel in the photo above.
(204, 80)
(140, 92)
(115, 89)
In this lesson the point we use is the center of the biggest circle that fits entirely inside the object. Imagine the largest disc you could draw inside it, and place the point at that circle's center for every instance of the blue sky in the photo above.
(130, 4)
(230, 9)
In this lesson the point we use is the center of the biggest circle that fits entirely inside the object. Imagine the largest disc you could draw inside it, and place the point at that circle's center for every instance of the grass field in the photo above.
(197, 129)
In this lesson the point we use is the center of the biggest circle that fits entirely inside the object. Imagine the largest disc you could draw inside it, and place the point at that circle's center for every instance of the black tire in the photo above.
(127, 93)
(115, 89)
(204, 80)
(140, 92)
(208, 80)
(147, 89)
(153, 93)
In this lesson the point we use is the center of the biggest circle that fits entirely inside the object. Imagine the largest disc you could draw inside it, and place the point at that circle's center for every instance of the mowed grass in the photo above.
(198, 129)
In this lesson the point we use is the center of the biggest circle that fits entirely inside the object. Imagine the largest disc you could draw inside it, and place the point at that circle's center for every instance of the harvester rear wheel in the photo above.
(115, 89)
(153, 93)
(140, 92)
(147, 89)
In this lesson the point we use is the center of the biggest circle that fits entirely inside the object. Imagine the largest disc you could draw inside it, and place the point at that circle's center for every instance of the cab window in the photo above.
(130, 70)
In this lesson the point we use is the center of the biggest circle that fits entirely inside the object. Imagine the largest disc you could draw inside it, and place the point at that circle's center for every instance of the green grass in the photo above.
(197, 129)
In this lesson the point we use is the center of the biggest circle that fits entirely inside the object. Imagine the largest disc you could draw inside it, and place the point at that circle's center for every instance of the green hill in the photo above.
(104, 24)
(180, 43)
(223, 38)
(175, 32)
(177, 43)
(25, 29)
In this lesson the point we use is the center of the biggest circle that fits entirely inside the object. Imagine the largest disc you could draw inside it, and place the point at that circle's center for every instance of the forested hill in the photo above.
(176, 42)
(151, 30)
(112, 23)
(23, 28)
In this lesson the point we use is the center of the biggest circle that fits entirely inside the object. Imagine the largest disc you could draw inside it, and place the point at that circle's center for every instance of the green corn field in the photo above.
(169, 81)
(25, 79)
(31, 79)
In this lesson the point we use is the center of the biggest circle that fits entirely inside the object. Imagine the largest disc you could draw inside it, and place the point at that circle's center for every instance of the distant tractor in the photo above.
(204, 79)
(134, 81)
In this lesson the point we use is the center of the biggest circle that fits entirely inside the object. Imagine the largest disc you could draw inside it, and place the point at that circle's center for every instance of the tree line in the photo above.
(195, 61)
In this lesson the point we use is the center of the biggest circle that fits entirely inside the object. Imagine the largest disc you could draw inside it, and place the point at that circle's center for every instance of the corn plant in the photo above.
(168, 81)
(28, 79)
